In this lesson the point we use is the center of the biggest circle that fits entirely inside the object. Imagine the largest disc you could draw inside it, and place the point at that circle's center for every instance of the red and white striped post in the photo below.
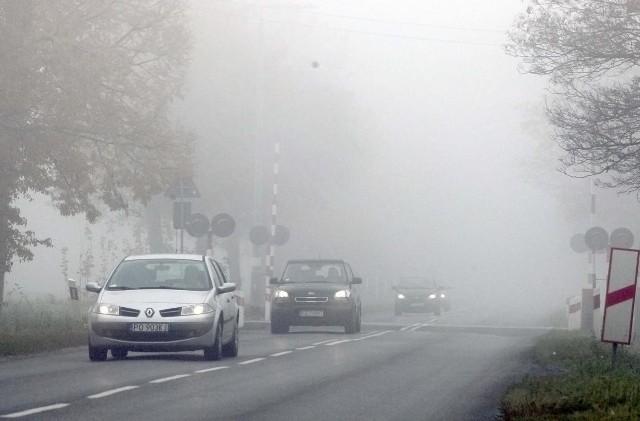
(272, 237)
(620, 297)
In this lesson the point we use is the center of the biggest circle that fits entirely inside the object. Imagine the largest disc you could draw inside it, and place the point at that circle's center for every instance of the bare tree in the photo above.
(589, 49)
(85, 94)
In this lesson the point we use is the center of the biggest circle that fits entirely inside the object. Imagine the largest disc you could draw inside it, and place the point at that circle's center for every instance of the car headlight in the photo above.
(442, 295)
(343, 294)
(432, 296)
(401, 296)
(107, 309)
(280, 294)
(195, 309)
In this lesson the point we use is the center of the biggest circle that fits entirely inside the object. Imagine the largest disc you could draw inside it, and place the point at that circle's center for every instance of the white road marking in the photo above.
(167, 379)
(338, 342)
(410, 326)
(324, 342)
(206, 370)
(255, 360)
(429, 323)
(372, 335)
(306, 347)
(281, 353)
(111, 392)
(36, 410)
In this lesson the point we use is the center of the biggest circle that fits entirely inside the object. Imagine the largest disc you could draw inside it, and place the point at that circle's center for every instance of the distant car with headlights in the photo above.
(316, 293)
(444, 294)
(419, 295)
(164, 303)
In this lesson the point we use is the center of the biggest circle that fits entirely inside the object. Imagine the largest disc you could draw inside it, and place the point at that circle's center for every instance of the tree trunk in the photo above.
(3, 259)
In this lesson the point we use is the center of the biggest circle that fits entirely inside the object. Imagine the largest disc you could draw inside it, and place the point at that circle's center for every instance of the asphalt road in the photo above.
(414, 367)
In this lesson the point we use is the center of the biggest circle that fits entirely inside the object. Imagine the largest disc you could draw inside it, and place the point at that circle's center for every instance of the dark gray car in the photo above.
(316, 293)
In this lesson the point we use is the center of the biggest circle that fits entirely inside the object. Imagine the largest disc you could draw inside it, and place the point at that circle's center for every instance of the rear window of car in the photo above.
(160, 274)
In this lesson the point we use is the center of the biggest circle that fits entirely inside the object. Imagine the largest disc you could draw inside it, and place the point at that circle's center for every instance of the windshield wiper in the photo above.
(119, 288)
(161, 287)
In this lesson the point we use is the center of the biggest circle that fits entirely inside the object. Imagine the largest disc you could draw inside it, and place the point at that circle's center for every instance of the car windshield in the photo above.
(160, 274)
(416, 282)
(314, 272)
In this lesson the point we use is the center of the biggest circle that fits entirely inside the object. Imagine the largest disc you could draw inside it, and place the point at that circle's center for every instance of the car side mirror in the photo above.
(93, 287)
(356, 280)
(227, 287)
(273, 281)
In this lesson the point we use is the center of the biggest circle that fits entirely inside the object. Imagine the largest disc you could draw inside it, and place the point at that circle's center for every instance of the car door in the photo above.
(226, 300)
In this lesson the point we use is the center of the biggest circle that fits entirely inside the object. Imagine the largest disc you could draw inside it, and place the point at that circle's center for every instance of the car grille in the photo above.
(129, 312)
(311, 299)
(171, 312)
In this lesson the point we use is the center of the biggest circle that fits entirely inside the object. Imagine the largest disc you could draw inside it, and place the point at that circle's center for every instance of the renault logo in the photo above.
(149, 312)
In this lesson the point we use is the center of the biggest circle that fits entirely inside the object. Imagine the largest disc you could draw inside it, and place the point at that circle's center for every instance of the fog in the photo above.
(409, 145)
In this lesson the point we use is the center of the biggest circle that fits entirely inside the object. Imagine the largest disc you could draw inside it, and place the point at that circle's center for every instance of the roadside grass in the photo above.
(27, 327)
(576, 382)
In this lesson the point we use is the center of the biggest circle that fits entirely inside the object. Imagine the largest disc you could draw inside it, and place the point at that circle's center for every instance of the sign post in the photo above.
(620, 298)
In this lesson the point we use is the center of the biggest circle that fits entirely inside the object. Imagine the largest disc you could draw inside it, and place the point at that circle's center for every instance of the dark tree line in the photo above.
(590, 50)
(85, 91)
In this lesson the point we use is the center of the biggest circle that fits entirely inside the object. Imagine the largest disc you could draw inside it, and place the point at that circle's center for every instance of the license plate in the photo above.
(417, 305)
(149, 327)
(311, 313)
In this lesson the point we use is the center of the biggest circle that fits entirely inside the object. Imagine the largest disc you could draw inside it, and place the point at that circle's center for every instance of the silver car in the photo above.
(164, 302)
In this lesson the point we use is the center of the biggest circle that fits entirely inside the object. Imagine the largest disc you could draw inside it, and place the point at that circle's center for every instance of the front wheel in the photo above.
(214, 352)
(351, 325)
(278, 327)
(119, 353)
(97, 354)
(231, 349)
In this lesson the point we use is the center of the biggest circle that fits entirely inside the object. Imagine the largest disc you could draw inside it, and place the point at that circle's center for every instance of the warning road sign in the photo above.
(620, 296)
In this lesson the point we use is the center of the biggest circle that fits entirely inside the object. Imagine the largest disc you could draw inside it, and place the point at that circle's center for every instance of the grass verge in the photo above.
(27, 328)
(577, 382)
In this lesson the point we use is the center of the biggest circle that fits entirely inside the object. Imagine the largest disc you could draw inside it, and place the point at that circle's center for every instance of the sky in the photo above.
(406, 145)
(437, 112)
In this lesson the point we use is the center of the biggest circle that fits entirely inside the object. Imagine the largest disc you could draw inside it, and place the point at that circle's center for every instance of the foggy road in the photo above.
(397, 369)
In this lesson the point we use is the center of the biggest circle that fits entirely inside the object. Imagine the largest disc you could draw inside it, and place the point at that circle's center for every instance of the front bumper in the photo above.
(293, 314)
(418, 306)
(184, 333)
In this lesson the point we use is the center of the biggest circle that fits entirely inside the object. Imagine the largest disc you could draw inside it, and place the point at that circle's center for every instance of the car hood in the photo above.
(304, 288)
(154, 296)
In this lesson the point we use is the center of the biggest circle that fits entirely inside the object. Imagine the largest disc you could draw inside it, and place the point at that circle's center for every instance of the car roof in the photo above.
(316, 261)
(195, 257)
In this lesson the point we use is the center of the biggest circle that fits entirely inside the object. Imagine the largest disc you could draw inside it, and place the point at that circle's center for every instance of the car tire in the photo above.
(359, 322)
(97, 354)
(231, 349)
(397, 311)
(214, 352)
(437, 312)
(119, 353)
(279, 327)
(350, 325)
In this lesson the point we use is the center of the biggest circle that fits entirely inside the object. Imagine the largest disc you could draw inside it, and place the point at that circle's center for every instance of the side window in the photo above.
(349, 272)
(214, 273)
